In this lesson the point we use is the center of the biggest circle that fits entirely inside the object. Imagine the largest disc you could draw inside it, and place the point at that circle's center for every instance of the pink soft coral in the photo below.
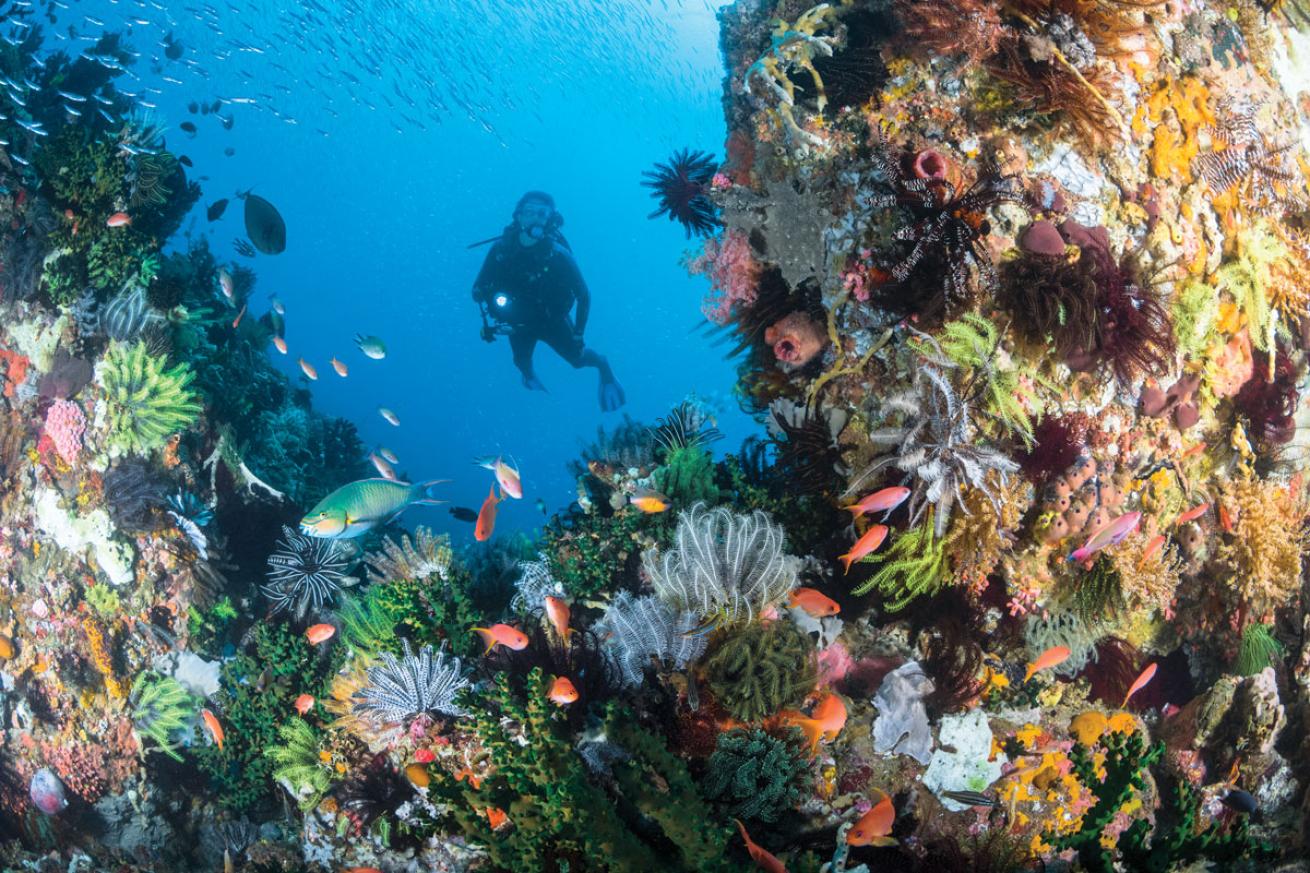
(733, 271)
(64, 425)
(796, 339)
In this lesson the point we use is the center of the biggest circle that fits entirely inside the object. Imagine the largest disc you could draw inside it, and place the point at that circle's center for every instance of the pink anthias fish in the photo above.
(1112, 534)
(385, 469)
(506, 476)
(880, 501)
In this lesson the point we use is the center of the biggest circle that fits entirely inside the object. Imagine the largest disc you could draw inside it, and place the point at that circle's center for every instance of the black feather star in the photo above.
(681, 186)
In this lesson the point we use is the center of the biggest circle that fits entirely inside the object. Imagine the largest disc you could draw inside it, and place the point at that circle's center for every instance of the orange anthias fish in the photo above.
(649, 502)
(1192, 514)
(308, 369)
(1225, 518)
(496, 817)
(319, 633)
(826, 721)
(875, 826)
(558, 613)
(304, 703)
(562, 692)
(119, 219)
(880, 501)
(1156, 543)
(1052, 657)
(1140, 682)
(761, 856)
(865, 545)
(816, 603)
(502, 635)
(340, 368)
(487, 516)
(215, 729)
(240, 315)
(280, 344)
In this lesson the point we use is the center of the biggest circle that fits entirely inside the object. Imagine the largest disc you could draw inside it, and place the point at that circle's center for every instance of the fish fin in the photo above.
(883, 841)
(425, 489)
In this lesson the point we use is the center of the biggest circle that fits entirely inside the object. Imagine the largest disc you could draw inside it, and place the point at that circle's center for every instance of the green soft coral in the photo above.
(915, 565)
(1194, 310)
(161, 710)
(756, 775)
(145, 401)
(298, 764)
(760, 669)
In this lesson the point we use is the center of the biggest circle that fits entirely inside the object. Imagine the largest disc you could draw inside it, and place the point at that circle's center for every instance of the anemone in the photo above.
(161, 710)
(423, 556)
(399, 690)
(144, 401)
(304, 573)
(724, 564)
(682, 187)
(1066, 629)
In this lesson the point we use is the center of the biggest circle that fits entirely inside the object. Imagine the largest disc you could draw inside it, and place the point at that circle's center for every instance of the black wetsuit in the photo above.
(541, 283)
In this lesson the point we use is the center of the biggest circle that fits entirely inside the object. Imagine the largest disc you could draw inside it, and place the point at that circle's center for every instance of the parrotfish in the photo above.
(1111, 534)
(358, 507)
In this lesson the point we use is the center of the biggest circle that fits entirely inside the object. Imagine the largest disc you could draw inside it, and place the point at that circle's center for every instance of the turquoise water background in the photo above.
(573, 97)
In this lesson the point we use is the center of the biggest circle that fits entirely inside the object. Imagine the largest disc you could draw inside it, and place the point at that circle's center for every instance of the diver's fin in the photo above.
(611, 395)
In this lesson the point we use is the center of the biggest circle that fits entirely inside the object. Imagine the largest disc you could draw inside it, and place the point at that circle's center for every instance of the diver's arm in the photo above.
(581, 296)
(484, 285)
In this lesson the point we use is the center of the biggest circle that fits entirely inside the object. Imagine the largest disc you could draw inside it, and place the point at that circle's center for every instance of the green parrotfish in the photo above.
(359, 507)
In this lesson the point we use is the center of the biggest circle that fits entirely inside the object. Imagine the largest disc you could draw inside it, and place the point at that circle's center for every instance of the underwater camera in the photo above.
(499, 308)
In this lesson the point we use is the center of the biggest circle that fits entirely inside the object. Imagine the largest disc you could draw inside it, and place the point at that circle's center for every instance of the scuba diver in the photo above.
(526, 288)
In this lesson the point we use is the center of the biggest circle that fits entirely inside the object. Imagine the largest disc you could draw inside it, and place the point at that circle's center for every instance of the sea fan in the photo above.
(423, 556)
(639, 629)
(723, 564)
(145, 402)
(401, 689)
(681, 186)
(304, 573)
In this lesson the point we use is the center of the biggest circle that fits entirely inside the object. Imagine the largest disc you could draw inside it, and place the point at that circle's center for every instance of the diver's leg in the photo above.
(522, 343)
(611, 392)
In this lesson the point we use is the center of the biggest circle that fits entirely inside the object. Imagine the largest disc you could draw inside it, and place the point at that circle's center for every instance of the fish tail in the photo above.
(487, 637)
(1029, 674)
(855, 509)
(846, 559)
(1078, 554)
(813, 732)
(426, 496)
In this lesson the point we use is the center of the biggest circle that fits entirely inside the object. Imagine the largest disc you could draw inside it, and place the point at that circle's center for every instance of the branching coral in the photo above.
(641, 630)
(1262, 554)
(305, 573)
(935, 449)
(723, 564)
(423, 556)
(144, 401)
(733, 272)
(977, 539)
(793, 48)
(761, 669)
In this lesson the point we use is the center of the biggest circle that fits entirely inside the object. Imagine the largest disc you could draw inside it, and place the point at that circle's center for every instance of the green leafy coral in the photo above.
(145, 401)
(756, 775)
(589, 552)
(256, 690)
(298, 764)
(1175, 839)
(915, 565)
(687, 477)
(161, 710)
(561, 816)
(760, 669)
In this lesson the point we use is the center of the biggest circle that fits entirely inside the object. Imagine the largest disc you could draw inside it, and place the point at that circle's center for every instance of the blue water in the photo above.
(562, 95)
